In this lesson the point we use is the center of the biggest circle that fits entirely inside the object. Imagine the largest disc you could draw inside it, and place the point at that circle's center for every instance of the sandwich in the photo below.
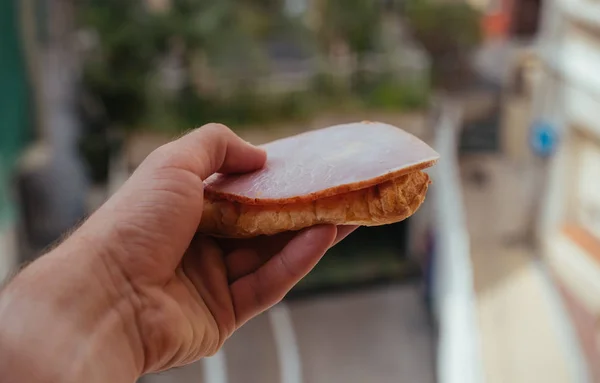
(365, 174)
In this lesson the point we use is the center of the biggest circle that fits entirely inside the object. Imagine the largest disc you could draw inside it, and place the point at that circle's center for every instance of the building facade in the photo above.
(15, 128)
(568, 99)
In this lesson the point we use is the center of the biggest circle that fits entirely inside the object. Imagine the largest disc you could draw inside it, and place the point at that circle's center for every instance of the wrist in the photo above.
(66, 318)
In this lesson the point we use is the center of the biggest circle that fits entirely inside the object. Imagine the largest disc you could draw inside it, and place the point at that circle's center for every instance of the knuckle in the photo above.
(168, 156)
(216, 128)
(161, 155)
(257, 291)
(286, 268)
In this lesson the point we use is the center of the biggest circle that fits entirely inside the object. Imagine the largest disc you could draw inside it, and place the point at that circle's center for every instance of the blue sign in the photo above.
(543, 138)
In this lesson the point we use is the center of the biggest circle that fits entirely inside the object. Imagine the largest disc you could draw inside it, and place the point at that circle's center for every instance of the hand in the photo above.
(136, 278)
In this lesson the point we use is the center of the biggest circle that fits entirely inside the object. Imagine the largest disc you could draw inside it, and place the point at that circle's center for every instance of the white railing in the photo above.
(458, 353)
(585, 11)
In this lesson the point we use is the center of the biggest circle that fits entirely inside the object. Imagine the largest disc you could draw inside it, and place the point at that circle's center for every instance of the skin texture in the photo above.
(136, 290)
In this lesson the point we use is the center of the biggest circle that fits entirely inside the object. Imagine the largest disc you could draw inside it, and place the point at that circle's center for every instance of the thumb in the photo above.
(207, 150)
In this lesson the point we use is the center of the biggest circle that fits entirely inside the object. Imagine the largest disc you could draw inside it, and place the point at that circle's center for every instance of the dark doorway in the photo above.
(370, 256)
(525, 18)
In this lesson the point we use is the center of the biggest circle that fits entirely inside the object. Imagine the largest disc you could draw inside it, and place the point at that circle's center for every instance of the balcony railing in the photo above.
(458, 353)
(584, 11)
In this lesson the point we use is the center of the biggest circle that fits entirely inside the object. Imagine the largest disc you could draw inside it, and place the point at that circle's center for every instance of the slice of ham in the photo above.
(325, 163)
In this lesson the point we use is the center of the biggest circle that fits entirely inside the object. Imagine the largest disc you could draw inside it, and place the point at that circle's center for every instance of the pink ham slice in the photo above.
(326, 162)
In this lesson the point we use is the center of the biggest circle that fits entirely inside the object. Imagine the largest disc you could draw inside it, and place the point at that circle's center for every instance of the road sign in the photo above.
(543, 138)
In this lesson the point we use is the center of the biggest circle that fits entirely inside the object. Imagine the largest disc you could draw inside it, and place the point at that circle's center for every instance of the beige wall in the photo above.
(518, 108)
(516, 117)
(8, 250)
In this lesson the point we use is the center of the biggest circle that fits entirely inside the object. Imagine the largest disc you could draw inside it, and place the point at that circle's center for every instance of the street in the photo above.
(380, 335)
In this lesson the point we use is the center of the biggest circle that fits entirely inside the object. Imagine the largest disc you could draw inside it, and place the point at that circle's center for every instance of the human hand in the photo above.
(161, 295)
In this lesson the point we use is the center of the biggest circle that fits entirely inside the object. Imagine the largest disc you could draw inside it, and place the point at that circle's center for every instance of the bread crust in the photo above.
(383, 203)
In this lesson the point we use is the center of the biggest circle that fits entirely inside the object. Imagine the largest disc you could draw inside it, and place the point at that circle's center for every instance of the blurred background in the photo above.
(497, 276)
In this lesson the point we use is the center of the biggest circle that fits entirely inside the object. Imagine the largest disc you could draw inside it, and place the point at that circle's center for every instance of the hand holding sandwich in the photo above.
(180, 257)
(135, 290)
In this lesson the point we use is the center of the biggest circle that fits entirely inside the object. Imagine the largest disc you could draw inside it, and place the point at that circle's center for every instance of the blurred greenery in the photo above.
(132, 39)
(448, 31)
(388, 95)
(16, 129)
(356, 23)
(224, 54)
(387, 91)
(370, 254)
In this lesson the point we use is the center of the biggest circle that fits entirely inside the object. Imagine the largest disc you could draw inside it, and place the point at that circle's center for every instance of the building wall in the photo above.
(15, 128)
(505, 19)
(14, 106)
(497, 18)
(569, 97)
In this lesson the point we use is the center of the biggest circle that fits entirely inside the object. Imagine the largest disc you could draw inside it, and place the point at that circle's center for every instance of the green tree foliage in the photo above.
(128, 44)
(355, 22)
(448, 31)
(132, 39)
(232, 35)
